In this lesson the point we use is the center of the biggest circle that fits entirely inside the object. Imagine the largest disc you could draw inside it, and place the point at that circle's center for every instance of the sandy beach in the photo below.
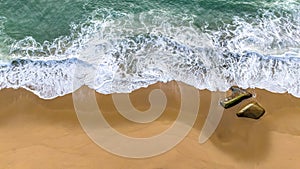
(37, 133)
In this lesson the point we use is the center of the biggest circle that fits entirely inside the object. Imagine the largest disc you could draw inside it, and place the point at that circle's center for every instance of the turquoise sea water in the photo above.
(53, 47)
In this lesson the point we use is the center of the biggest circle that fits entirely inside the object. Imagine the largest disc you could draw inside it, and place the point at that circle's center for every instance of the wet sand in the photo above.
(46, 134)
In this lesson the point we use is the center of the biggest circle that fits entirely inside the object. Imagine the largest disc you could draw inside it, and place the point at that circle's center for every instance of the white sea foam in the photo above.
(120, 54)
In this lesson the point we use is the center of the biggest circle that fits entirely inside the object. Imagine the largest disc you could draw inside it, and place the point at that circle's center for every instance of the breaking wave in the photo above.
(114, 52)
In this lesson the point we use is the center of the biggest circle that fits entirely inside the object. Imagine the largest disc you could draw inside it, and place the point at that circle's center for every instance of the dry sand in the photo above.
(46, 134)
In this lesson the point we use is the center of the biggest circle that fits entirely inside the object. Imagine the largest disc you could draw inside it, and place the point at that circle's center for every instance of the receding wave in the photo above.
(117, 52)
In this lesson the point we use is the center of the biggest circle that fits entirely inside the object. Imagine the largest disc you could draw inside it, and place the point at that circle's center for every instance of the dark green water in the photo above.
(47, 20)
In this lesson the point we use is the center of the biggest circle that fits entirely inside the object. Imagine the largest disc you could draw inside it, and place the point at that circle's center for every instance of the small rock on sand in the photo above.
(252, 110)
(236, 97)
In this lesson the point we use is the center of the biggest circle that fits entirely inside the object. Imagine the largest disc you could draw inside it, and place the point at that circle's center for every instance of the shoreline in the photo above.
(36, 132)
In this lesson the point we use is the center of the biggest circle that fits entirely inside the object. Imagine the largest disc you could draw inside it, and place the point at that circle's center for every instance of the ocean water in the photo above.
(53, 47)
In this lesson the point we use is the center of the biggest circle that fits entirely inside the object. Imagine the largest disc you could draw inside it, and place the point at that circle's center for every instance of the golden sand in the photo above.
(46, 134)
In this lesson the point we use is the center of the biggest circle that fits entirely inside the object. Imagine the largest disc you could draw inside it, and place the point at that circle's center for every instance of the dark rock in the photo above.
(252, 110)
(236, 97)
